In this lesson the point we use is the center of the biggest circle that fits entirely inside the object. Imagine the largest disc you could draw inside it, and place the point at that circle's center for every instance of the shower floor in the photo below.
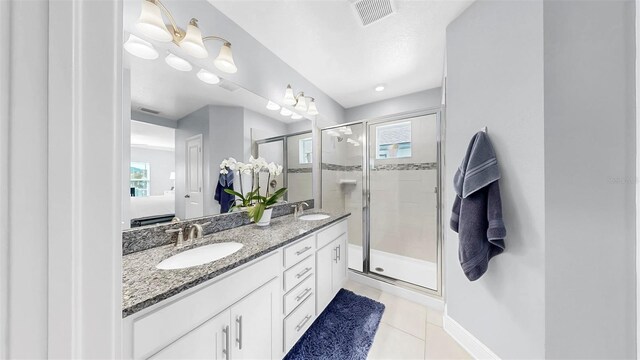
(419, 272)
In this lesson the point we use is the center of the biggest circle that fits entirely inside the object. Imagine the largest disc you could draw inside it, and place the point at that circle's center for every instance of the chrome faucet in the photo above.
(299, 209)
(195, 231)
(180, 240)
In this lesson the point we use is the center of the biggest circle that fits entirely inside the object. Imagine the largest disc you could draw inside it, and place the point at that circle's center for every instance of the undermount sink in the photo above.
(312, 217)
(200, 255)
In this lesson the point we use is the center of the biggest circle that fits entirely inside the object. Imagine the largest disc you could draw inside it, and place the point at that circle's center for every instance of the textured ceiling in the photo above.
(326, 43)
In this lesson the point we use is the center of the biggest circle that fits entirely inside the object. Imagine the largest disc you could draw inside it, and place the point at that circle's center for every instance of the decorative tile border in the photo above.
(383, 167)
(299, 170)
(147, 237)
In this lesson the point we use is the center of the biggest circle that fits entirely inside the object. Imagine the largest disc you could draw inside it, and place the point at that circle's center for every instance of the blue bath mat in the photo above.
(344, 330)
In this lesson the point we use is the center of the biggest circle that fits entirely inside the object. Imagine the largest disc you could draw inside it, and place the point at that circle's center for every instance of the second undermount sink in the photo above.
(312, 217)
(200, 255)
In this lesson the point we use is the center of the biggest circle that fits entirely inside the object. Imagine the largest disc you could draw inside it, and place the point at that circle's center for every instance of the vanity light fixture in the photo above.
(295, 116)
(300, 102)
(286, 112)
(151, 24)
(273, 106)
(379, 88)
(208, 77)
(177, 62)
(140, 48)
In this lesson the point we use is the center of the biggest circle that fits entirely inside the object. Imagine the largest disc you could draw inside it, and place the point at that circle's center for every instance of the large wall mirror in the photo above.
(181, 128)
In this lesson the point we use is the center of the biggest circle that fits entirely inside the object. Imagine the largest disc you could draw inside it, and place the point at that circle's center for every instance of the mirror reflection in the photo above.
(181, 129)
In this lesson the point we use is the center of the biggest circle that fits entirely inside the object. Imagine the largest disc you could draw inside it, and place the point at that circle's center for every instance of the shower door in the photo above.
(403, 199)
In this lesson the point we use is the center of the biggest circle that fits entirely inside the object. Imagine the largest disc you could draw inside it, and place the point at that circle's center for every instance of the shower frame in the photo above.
(366, 196)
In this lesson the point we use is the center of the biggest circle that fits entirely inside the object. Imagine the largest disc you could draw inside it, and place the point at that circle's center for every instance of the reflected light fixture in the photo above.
(379, 88)
(140, 48)
(208, 77)
(300, 102)
(272, 106)
(296, 116)
(286, 112)
(151, 24)
(177, 62)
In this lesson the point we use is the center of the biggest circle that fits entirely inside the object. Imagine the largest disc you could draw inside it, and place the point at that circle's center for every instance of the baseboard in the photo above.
(474, 347)
(426, 300)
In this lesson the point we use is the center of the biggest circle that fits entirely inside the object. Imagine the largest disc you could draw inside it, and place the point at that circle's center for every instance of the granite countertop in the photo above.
(143, 285)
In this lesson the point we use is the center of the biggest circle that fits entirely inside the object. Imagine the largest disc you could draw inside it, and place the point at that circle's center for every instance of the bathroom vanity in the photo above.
(253, 304)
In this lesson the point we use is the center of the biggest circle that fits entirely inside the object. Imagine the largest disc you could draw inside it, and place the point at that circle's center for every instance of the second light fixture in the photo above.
(300, 102)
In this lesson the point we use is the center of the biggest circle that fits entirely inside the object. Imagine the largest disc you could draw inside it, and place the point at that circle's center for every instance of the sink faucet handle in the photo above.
(180, 238)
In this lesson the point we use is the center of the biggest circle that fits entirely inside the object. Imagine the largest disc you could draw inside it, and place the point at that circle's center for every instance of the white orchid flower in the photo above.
(279, 170)
(273, 168)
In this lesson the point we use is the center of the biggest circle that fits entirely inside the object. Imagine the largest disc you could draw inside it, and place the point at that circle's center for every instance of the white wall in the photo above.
(495, 79)
(411, 102)
(161, 163)
(590, 178)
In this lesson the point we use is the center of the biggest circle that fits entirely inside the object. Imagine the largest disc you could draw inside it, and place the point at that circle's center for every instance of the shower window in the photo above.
(140, 179)
(306, 148)
(393, 141)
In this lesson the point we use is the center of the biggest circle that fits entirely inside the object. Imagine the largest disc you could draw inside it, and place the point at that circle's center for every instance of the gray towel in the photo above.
(477, 209)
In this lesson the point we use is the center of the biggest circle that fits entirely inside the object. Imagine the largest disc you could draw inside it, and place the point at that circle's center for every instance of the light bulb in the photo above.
(192, 41)
(224, 61)
(208, 77)
(140, 48)
(178, 63)
(302, 104)
(286, 112)
(151, 24)
(289, 98)
(379, 88)
(312, 110)
(272, 106)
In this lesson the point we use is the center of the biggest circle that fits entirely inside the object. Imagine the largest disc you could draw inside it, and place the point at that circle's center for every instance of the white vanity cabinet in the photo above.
(257, 311)
(331, 264)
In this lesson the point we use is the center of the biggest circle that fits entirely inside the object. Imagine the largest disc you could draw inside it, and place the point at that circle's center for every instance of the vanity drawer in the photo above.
(298, 322)
(299, 272)
(298, 251)
(328, 235)
(299, 294)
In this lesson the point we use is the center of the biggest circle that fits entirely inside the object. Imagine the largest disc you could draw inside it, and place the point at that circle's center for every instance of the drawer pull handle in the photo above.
(303, 294)
(301, 274)
(225, 351)
(239, 338)
(299, 252)
(304, 321)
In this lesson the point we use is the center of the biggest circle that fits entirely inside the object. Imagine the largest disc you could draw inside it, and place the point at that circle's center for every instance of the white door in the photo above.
(194, 206)
(251, 324)
(325, 259)
(210, 340)
(340, 265)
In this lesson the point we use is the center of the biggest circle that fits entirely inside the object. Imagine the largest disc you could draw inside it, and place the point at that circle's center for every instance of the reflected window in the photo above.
(140, 179)
(306, 148)
(393, 141)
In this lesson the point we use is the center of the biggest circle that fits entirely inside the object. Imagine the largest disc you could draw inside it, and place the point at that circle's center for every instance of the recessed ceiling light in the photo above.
(286, 112)
(273, 106)
(295, 116)
(379, 88)
(140, 48)
(178, 63)
(208, 77)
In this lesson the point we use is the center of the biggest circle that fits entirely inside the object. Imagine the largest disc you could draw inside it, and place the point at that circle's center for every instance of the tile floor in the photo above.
(408, 330)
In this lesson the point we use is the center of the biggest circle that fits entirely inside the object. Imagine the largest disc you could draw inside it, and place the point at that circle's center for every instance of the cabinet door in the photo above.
(340, 266)
(325, 259)
(251, 323)
(210, 340)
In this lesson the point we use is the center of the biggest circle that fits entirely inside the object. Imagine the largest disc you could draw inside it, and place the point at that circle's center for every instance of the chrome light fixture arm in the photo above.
(177, 32)
(211, 37)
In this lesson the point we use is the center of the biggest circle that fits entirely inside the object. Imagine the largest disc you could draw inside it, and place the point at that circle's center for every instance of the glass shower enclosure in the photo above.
(386, 173)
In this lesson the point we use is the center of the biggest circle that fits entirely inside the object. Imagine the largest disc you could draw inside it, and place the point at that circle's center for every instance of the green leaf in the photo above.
(256, 211)
(274, 198)
(229, 191)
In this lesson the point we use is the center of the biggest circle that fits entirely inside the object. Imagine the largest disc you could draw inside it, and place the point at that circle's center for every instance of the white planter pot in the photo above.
(266, 218)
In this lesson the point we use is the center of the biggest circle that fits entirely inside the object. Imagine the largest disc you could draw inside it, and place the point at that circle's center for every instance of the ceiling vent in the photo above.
(149, 111)
(370, 11)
